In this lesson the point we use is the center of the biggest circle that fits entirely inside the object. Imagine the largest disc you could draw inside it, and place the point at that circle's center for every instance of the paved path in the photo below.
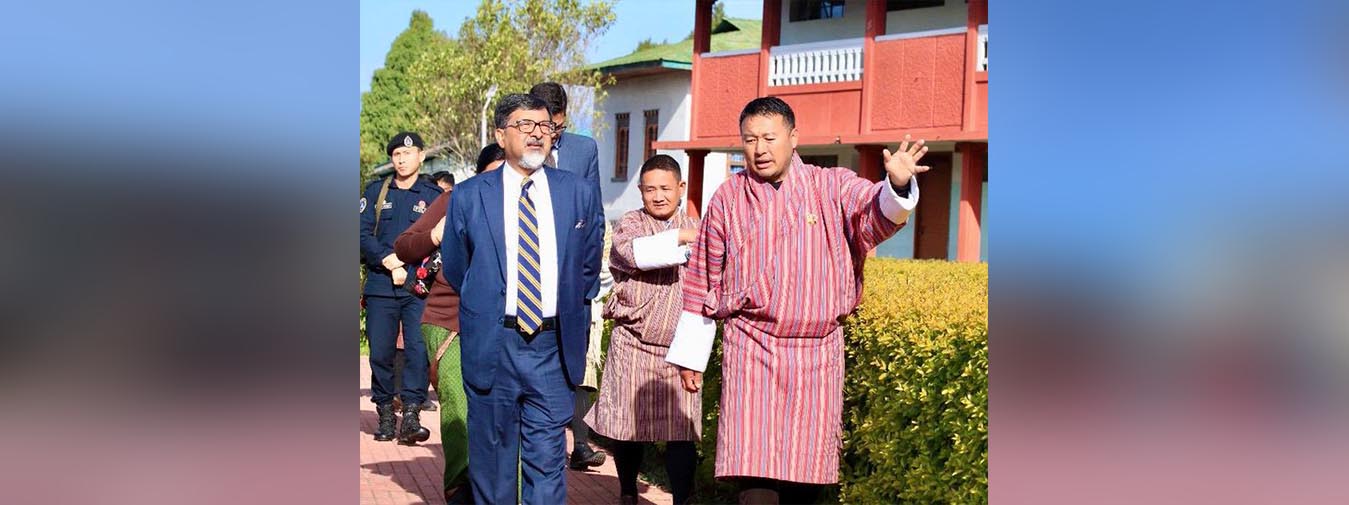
(392, 473)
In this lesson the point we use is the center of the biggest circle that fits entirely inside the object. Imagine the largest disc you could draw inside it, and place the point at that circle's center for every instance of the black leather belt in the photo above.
(549, 323)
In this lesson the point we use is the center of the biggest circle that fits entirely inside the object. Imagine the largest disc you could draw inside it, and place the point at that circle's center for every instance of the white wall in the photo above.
(668, 93)
(853, 22)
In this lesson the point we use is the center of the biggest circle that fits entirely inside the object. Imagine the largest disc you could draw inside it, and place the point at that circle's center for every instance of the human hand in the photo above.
(903, 164)
(692, 379)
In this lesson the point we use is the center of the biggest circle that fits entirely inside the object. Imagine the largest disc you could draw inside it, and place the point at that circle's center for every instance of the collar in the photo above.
(512, 179)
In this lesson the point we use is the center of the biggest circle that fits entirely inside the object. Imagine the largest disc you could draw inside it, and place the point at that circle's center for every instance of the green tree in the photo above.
(389, 106)
(512, 45)
(647, 44)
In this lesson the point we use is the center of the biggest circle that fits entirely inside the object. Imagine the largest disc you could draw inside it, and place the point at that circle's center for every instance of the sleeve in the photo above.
(872, 211)
(594, 243)
(661, 250)
(415, 243)
(371, 250)
(620, 253)
(455, 248)
(592, 180)
(695, 331)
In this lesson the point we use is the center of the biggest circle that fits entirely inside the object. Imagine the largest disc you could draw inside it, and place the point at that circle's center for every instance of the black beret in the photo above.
(404, 139)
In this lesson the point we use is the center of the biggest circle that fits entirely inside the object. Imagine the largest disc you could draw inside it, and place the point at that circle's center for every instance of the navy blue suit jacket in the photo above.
(474, 254)
(579, 155)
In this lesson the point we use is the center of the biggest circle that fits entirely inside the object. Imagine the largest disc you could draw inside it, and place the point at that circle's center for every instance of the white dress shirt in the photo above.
(511, 182)
(692, 344)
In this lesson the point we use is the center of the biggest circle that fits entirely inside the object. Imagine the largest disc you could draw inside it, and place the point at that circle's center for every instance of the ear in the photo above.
(421, 156)
(794, 138)
(498, 134)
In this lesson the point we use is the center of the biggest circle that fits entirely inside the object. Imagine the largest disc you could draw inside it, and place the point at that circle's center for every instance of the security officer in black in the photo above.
(388, 207)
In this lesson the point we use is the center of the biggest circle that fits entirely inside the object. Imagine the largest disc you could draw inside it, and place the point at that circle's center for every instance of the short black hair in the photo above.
(661, 162)
(769, 106)
(516, 101)
(492, 152)
(444, 176)
(552, 93)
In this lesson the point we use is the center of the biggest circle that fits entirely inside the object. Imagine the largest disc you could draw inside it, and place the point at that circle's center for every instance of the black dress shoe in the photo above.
(580, 460)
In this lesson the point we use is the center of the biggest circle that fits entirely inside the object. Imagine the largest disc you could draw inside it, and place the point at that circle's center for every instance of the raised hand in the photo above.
(903, 164)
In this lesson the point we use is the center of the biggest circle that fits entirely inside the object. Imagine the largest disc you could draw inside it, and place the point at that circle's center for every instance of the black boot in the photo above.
(411, 430)
(386, 422)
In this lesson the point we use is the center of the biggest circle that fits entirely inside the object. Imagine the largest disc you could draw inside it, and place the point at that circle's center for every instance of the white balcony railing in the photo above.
(815, 63)
(982, 62)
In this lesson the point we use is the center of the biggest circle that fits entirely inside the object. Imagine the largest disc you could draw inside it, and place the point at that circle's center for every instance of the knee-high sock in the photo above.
(628, 459)
(681, 459)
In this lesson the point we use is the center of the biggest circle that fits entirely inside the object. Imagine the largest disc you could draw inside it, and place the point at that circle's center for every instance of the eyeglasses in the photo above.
(528, 125)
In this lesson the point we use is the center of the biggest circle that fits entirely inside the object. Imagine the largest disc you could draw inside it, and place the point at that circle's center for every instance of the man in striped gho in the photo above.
(779, 258)
(641, 398)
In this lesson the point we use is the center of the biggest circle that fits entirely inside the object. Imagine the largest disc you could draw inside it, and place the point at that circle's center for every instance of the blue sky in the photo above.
(383, 20)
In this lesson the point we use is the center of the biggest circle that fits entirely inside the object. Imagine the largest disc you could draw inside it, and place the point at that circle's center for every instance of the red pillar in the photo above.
(702, 42)
(971, 189)
(870, 161)
(976, 13)
(875, 25)
(772, 30)
(697, 160)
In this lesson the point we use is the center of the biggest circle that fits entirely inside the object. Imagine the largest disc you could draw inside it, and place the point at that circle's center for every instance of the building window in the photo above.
(652, 131)
(806, 10)
(621, 141)
(899, 5)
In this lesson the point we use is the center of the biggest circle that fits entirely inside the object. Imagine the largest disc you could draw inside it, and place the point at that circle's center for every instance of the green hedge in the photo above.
(915, 397)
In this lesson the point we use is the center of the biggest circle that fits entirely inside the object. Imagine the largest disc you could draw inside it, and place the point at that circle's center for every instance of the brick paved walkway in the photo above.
(392, 473)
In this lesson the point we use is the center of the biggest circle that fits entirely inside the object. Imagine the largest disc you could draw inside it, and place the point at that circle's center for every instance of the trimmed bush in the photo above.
(916, 394)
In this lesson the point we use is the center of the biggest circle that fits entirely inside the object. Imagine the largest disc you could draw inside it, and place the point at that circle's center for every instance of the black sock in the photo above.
(794, 493)
(628, 459)
(681, 459)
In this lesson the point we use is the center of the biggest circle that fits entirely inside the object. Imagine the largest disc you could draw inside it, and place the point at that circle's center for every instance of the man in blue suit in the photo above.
(580, 157)
(522, 248)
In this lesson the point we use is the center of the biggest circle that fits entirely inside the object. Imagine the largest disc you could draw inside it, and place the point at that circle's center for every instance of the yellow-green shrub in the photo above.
(916, 394)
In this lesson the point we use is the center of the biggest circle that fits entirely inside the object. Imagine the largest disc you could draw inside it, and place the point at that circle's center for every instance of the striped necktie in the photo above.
(529, 288)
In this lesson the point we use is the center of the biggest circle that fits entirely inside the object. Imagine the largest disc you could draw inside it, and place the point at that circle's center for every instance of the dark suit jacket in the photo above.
(579, 155)
(474, 255)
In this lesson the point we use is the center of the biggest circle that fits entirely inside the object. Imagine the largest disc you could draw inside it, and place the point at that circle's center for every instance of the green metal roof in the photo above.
(729, 35)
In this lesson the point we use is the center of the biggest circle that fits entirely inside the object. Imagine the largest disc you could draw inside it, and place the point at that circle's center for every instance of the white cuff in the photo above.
(692, 344)
(894, 208)
(659, 251)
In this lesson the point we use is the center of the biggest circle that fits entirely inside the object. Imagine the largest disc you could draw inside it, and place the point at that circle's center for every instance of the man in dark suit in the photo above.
(581, 157)
(522, 247)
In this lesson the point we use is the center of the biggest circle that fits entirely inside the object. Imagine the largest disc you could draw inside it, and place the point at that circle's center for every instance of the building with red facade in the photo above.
(860, 75)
